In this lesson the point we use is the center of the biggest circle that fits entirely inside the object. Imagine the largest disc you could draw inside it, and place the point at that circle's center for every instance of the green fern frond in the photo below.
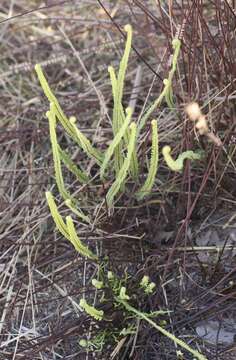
(176, 44)
(68, 229)
(75, 240)
(147, 187)
(167, 91)
(52, 99)
(178, 164)
(56, 157)
(85, 143)
(159, 328)
(91, 310)
(117, 91)
(61, 226)
(121, 177)
(116, 119)
(124, 63)
(115, 142)
(134, 169)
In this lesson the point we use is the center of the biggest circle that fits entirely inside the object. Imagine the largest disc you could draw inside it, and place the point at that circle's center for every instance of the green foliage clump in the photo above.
(125, 135)
(120, 159)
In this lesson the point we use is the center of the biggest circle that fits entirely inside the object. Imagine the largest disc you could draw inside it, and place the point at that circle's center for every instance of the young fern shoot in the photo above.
(148, 185)
(167, 91)
(115, 142)
(52, 99)
(117, 91)
(176, 44)
(121, 176)
(143, 316)
(51, 115)
(59, 222)
(178, 164)
(67, 229)
(91, 310)
(75, 240)
(85, 143)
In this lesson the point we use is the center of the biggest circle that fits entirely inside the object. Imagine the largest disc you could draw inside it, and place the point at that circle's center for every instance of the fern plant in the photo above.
(120, 156)
(122, 301)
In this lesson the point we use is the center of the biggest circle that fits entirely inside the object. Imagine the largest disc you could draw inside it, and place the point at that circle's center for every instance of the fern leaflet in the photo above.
(120, 179)
(147, 187)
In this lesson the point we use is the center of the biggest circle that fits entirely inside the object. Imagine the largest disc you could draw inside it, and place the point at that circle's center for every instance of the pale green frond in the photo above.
(116, 119)
(176, 44)
(134, 169)
(77, 212)
(68, 229)
(52, 99)
(75, 240)
(178, 164)
(91, 310)
(113, 79)
(56, 157)
(80, 175)
(124, 62)
(121, 176)
(163, 331)
(117, 90)
(85, 143)
(148, 185)
(61, 226)
(115, 142)
(167, 91)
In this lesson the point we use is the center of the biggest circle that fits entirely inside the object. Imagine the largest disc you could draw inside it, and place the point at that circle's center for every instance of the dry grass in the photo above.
(42, 278)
